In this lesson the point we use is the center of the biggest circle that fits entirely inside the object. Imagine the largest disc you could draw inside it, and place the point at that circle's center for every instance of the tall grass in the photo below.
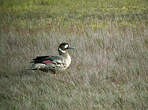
(108, 70)
(109, 65)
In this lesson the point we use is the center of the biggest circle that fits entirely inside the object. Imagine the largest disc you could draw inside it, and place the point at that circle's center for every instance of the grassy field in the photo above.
(109, 69)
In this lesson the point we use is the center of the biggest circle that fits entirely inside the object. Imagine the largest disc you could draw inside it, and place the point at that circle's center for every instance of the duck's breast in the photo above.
(67, 62)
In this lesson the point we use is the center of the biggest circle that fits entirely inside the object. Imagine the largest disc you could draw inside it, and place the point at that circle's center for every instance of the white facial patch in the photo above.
(66, 46)
(62, 50)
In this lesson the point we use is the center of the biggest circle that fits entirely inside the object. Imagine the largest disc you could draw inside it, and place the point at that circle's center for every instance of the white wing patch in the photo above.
(58, 63)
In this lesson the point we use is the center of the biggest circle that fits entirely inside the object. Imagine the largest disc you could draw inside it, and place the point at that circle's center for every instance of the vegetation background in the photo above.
(109, 69)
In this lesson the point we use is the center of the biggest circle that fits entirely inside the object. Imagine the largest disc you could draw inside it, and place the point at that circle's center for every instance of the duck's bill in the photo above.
(71, 48)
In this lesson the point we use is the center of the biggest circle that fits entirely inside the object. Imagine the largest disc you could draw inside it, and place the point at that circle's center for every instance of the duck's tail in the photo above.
(37, 66)
(30, 69)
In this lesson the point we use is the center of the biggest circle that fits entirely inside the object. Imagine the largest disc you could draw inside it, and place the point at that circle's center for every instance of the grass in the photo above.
(109, 65)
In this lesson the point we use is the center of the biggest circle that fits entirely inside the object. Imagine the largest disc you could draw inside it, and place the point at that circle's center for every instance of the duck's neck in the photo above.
(63, 52)
(66, 54)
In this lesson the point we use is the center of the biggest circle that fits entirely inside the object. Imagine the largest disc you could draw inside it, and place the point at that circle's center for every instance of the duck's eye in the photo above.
(66, 46)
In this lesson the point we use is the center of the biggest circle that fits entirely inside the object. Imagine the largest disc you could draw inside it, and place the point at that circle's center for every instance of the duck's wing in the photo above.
(40, 59)
(47, 60)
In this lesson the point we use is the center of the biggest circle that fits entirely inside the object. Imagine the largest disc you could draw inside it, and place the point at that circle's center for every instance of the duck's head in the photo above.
(63, 47)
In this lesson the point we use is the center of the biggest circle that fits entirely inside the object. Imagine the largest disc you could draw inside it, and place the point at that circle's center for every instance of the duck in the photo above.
(53, 63)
